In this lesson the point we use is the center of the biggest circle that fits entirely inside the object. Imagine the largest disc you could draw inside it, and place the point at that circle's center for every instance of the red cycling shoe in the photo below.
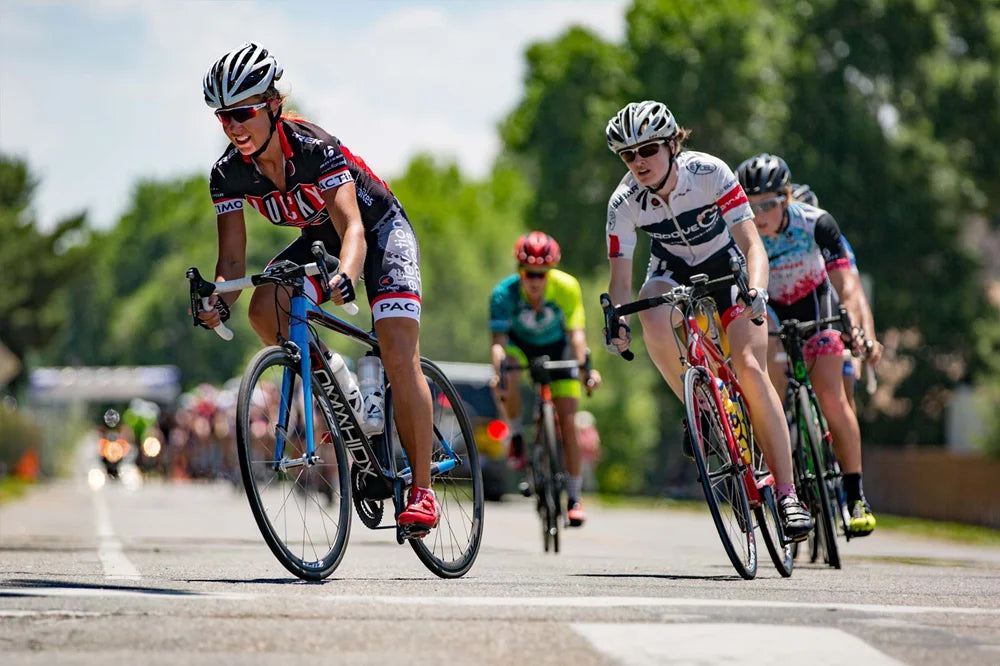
(422, 513)
(576, 514)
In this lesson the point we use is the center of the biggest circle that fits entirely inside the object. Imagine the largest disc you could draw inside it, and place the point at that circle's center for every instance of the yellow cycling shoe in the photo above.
(862, 519)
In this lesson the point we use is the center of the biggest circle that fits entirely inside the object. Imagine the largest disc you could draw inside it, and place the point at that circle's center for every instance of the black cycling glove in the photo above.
(222, 308)
(345, 287)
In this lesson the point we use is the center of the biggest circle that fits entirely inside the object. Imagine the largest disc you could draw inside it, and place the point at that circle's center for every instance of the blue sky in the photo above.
(97, 94)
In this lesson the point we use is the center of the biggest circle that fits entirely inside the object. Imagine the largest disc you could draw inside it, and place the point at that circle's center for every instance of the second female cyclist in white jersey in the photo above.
(697, 217)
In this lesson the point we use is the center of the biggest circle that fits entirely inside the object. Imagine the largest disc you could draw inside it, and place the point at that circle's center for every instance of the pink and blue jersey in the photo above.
(804, 251)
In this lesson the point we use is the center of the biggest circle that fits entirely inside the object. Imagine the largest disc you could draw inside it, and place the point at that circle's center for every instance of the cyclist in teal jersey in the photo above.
(538, 311)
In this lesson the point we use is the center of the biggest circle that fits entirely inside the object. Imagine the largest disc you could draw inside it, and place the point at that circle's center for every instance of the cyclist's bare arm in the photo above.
(231, 263)
(498, 351)
(758, 269)
(620, 285)
(342, 204)
(620, 290)
(852, 296)
(578, 344)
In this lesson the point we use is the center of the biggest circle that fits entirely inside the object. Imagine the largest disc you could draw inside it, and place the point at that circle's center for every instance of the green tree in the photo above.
(37, 265)
(556, 135)
(466, 230)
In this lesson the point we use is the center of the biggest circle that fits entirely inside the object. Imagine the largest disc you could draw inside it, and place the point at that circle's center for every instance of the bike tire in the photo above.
(314, 549)
(835, 485)
(821, 505)
(450, 549)
(779, 548)
(721, 478)
(554, 499)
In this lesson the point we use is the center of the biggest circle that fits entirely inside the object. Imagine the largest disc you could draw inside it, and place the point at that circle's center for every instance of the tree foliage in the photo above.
(36, 265)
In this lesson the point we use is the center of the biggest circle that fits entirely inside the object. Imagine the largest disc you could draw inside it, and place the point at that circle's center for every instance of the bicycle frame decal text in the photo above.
(352, 439)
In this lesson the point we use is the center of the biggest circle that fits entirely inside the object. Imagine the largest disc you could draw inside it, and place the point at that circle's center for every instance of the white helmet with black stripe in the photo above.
(638, 123)
(243, 72)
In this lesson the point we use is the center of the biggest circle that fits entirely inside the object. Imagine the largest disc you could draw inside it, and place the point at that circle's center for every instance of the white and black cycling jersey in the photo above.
(692, 225)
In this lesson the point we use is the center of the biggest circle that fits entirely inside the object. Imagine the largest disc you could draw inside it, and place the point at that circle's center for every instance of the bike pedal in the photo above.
(414, 531)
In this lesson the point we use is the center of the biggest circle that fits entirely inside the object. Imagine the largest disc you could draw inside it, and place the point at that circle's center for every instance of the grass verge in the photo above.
(12, 488)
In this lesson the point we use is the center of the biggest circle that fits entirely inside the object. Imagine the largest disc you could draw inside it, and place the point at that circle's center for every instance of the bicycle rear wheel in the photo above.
(812, 470)
(301, 504)
(721, 478)
(451, 548)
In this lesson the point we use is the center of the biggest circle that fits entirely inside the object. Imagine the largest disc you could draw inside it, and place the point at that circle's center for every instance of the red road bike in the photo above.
(731, 466)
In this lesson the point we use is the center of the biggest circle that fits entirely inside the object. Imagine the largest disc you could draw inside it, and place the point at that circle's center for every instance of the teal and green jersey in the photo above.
(561, 311)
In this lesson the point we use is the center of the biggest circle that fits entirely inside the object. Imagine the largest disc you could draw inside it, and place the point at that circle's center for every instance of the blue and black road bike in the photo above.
(304, 458)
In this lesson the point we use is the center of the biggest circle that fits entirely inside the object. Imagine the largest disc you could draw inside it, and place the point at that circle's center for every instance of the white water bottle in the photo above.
(372, 393)
(345, 379)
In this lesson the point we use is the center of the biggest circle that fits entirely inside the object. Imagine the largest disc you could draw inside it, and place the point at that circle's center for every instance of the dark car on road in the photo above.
(472, 380)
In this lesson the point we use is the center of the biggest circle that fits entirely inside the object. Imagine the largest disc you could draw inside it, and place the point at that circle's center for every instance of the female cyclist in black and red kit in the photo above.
(295, 174)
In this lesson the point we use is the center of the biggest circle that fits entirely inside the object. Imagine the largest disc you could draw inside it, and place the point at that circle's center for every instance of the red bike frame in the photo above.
(705, 354)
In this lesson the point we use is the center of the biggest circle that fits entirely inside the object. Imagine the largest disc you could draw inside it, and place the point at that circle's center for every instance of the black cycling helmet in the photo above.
(764, 173)
(805, 194)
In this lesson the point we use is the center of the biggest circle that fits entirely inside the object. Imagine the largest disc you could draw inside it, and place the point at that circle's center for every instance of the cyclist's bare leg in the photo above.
(566, 409)
(657, 334)
(263, 318)
(748, 345)
(851, 382)
(826, 376)
(510, 395)
(398, 341)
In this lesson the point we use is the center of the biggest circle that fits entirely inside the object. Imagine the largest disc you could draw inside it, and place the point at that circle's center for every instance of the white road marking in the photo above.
(666, 602)
(639, 644)
(116, 565)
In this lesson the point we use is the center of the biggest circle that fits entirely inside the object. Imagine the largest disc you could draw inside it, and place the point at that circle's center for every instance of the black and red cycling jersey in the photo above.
(315, 161)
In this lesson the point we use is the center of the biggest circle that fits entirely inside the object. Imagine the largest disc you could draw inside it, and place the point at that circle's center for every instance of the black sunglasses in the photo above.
(533, 275)
(647, 150)
(240, 114)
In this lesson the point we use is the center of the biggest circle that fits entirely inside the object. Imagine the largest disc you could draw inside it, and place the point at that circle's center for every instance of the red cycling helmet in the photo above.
(537, 250)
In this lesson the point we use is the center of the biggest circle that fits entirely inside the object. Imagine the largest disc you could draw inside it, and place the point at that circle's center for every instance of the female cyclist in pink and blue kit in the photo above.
(810, 275)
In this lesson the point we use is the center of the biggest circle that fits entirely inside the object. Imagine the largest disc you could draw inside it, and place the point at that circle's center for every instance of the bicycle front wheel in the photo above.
(301, 503)
(721, 477)
(450, 549)
(812, 471)
(768, 520)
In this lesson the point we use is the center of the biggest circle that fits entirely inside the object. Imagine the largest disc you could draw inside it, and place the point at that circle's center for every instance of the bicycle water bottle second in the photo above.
(735, 421)
(372, 393)
(345, 379)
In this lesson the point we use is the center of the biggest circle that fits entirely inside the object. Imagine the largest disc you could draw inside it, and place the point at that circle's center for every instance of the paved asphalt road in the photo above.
(178, 574)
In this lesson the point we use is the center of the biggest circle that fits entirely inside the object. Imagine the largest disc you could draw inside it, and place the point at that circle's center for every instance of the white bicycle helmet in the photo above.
(243, 72)
(640, 122)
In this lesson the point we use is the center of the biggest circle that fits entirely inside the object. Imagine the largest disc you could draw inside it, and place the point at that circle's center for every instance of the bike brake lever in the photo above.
(612, 325)
(741, 284)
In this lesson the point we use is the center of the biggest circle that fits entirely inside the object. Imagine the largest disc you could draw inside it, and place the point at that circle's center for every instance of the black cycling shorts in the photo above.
(391, 269)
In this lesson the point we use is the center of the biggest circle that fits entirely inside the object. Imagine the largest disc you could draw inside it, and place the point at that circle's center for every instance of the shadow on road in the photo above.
(28, 584)
(657, 576)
